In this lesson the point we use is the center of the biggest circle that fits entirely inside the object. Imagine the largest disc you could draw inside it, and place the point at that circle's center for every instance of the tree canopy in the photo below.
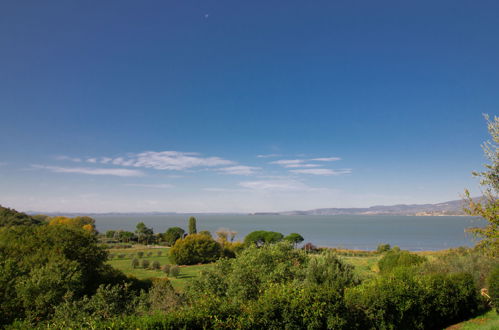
(261, 237)
(11, 217)
(172, 235)
(488, 206)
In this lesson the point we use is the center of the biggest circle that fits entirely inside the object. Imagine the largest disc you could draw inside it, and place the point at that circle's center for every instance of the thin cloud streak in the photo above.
(92, 171)
(152, 185)
(321, 171)
(239, 170)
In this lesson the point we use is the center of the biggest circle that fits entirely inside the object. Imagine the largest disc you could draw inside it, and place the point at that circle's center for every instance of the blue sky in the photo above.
(208, 106)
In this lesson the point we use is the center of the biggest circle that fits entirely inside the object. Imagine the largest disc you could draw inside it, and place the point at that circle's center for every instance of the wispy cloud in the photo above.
(167, 160)
(268, 156)
(301, 165)
(151, 185)
(92, 160)
(285, 162)
(67, 158)
(326, 159)
(321, 171)
(275, 185)
(92, 171)
(239, 170)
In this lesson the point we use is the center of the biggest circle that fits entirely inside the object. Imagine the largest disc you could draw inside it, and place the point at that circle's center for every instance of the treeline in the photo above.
(276, 286)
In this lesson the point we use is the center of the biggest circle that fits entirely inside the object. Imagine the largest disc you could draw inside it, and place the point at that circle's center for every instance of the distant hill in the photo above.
(447, 208)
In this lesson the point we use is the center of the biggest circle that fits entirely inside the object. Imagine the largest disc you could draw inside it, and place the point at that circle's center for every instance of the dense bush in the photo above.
(145, 263)
(135, 263)
(10, 217)
(194, 249)
(493, 284)
(405, 300)
(41, 264)
(156, 265)
(382, 248)
(394, 259)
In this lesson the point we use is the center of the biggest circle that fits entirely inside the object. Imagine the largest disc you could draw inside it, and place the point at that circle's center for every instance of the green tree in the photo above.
(261, 237)
(294, 238)
(172, 235)
(10, 217)
(144, 234)
(192, 226)
(194, 249)
(488, 206)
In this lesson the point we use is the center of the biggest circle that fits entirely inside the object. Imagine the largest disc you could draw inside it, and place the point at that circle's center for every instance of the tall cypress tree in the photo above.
(192, 225)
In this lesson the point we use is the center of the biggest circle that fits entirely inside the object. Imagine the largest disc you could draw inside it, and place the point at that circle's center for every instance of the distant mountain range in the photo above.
(447, 208)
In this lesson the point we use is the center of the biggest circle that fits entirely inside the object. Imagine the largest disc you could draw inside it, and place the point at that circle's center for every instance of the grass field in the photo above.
(125, 265)
(487, 321)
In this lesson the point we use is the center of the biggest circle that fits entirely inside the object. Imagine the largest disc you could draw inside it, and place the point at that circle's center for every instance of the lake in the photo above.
(348, 231)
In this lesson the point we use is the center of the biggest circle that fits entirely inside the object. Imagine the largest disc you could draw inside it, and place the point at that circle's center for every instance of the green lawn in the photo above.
(125, 265)
(487, 321)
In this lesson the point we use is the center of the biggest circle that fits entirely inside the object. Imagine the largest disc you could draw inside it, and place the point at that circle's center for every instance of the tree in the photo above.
(192, 226)
(143, 233)
(294, 238)
(10, 217)
(261, 237)
(172, 235)
(488, 206)
(195, 249)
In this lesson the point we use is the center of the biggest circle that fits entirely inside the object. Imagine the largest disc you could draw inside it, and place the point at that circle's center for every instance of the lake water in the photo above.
(348, 231)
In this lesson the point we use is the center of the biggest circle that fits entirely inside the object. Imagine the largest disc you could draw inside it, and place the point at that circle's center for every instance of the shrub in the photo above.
(145, 263)
(194, 249)
(160, 253)
(135, 263)
(155, 265)
(493, 282)
(121, 255)
(394, 259)
(149, 254)
(205, 232)
(174, 271)
(166, 269)
(404, 300)
(140, 254)
(382, 248)
(309, 247)
(111, 256)
(162, 297)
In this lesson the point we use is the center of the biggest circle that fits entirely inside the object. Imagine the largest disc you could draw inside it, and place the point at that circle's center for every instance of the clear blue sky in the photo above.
(243, 105)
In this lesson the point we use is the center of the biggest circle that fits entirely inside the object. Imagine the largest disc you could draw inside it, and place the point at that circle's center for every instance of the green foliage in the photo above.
(156, 265)
(493, 284)
(394, 259)
(140, 254)
(46, 263)
(174, 271)
(110, 233)
(135, 263)
(145, 263)
(261, 237)
(488, 206)
(206, 233)
(294, 238)
(172, 235)
(382, 248)
(194, 249)
(328, 270)
(144, 234)
(109, 301)
(166, 269)
(405, 300)
(162, 297)
(192, 226)
(10, 217)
